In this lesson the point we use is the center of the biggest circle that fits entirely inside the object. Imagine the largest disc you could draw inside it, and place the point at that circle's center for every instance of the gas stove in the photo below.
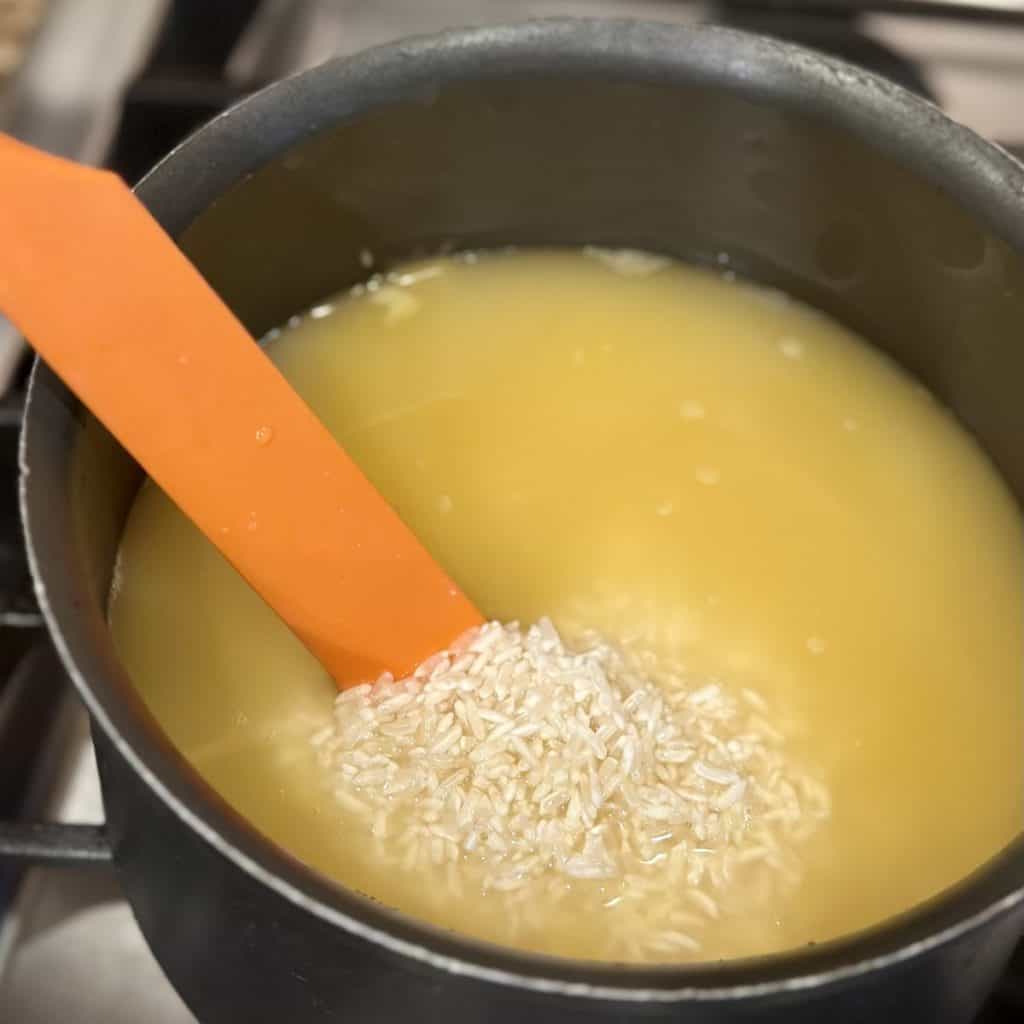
(120, 84)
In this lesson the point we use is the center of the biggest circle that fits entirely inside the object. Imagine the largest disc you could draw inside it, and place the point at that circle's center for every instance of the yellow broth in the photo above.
(693, 464)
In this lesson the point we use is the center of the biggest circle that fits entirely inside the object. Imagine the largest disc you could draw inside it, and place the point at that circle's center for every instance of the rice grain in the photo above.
(515, 766)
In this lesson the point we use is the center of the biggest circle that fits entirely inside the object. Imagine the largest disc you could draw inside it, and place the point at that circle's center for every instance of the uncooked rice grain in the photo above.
(516, 766)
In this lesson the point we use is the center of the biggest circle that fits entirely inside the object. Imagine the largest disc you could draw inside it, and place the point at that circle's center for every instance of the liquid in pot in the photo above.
(674, 459)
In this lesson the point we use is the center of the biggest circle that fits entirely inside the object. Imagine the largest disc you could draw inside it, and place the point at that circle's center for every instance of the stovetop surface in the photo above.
(69, 947)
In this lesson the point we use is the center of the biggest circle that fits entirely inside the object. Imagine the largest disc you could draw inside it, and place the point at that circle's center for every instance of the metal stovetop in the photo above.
(107, 80)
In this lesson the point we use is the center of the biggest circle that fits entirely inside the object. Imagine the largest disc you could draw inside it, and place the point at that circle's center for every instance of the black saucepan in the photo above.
(811, 175)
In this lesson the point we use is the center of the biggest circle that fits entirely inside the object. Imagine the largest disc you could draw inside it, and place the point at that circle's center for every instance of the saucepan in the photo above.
(812, 175)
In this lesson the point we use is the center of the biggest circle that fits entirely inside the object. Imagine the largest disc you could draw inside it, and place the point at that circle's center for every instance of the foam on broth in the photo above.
(673, 459)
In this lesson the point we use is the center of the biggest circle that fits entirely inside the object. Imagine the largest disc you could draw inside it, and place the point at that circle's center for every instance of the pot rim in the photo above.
(912, 131)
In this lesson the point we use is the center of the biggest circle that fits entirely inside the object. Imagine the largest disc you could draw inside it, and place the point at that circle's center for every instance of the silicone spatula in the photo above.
(118, 312)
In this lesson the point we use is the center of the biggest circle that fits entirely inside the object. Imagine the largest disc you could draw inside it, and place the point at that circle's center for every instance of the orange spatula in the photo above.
(112, 305)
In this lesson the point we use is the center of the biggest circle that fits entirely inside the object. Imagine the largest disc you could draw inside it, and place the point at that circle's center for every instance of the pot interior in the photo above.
(862, 228)
(692, 172)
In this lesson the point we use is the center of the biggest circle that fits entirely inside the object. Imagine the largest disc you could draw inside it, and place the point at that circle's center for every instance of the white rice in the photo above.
(513, 762)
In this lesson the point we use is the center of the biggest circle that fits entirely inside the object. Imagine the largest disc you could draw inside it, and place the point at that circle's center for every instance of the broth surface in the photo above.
(683, 463)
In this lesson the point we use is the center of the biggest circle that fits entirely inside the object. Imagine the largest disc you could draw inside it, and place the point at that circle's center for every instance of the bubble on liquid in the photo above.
(665, 508)
(707, 475)
(691, 409)
(816, 645)
(445, 504)
(319, 312)
(773, 298)
(397, 302)
(253, 522)
(264, 435)
(791, 348)
(722, 259)
(365, 258)
(850, 425)
(628, 262)
(412, 277)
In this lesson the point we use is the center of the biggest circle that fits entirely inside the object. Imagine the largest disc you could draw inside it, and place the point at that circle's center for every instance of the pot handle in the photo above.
(46, 843)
